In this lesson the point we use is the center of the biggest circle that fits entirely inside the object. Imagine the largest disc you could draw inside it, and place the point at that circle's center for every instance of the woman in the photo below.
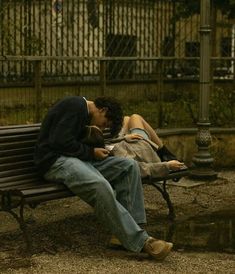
(139, 141)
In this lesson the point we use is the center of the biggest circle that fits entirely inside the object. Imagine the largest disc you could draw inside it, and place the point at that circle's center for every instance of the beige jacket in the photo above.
(144, 152)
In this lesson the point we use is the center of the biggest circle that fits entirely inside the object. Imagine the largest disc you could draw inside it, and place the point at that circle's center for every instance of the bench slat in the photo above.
(26, 170)
(17, 177)
(16, 158)
(39, 190)
(14, 130)
(16, 165)
(32, 188)
(17, 144)
(23, 184)
(173, 175)
(20, 137)
(49, 197)
(18, 151)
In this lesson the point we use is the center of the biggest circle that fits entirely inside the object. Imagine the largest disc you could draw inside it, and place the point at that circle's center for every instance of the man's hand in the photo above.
(100, 153)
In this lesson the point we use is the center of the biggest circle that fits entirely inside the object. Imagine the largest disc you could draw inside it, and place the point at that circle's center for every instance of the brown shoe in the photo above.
(114, 241)
(157, 249)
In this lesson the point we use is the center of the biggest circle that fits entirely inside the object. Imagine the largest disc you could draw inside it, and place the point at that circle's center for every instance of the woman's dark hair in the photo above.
(93, 136)
(114, 112)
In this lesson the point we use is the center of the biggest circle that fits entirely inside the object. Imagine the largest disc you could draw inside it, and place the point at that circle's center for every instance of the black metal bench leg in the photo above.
(166, 197)
(20, 220)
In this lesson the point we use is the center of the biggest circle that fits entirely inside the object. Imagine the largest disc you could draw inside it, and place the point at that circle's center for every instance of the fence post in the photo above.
(102, 77)
(38, 89)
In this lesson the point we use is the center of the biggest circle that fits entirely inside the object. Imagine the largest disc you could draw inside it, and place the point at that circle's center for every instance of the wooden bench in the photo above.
(20, 185)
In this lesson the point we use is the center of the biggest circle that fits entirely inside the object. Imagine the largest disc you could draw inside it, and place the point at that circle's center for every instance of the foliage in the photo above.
(182, 112)
(185, 8)
(222, 107)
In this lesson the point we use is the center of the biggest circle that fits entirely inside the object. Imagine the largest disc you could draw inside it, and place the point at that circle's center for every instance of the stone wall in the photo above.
(182, 143)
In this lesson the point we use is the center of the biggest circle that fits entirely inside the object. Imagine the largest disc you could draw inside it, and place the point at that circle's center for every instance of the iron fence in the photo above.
(98, 28)
(143, 51)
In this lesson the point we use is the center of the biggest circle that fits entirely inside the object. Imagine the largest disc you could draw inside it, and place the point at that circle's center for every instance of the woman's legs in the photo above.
(125, 127)
(137, 121)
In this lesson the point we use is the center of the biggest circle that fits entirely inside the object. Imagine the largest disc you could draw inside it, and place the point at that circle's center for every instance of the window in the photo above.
(191, 67)
(120, 45)
(168, 46)
(226, 47)
(192, 49)
(222, 69)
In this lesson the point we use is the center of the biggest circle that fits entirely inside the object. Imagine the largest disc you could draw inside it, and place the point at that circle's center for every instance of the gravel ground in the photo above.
(68, 239)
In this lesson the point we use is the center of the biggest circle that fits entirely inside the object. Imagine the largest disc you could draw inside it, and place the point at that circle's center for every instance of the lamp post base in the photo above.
(203, 174)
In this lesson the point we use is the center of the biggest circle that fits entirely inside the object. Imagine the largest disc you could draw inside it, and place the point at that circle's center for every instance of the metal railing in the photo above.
(157, 96)
(108, 28)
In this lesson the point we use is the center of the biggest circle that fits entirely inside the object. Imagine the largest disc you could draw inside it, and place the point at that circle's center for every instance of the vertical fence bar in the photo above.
(38, 89)
(15, 33)
(51, 40)
(233, 51)
(102, 77)
(29, 31)
(83, 36)
(71, 23)
(1, 32)
(45, 38)
(159, 92)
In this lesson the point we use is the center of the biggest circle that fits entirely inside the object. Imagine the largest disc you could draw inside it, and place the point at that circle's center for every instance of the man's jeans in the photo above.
(94, 182)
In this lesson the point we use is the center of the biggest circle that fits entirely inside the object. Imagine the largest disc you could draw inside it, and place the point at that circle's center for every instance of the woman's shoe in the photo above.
(165, 155)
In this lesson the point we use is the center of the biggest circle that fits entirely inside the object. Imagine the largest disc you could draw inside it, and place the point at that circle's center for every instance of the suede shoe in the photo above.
(157, 249)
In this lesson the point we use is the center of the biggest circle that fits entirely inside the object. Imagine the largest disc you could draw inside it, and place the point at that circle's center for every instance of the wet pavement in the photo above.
(214, 232)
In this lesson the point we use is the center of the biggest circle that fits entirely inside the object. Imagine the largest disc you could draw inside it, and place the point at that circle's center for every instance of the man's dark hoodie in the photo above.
(61, 133)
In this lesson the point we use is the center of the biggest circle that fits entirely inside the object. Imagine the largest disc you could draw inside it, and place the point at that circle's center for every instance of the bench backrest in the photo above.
(17, 146)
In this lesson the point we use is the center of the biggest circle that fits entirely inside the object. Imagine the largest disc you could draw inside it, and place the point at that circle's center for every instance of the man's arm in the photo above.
(64, 138)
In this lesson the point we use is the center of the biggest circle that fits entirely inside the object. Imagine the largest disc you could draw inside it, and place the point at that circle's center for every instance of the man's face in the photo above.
(100, 120)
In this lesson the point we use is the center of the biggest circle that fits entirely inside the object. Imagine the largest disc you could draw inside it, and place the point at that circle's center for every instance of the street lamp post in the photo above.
(202, 159)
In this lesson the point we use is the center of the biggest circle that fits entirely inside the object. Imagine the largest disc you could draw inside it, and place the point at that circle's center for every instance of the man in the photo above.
(92, 174)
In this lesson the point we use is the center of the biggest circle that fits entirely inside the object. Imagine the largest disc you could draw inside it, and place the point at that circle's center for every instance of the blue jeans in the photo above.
(94, 182)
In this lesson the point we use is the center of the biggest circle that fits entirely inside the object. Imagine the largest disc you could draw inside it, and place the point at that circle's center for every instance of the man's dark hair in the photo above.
(114, 112)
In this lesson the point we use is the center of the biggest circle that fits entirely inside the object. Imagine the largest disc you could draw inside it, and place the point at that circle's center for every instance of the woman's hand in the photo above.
(100, 153)
(175, 165)
(133, 137)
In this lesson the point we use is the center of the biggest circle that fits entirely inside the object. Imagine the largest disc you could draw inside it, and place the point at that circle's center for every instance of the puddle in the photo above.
(214, 232)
